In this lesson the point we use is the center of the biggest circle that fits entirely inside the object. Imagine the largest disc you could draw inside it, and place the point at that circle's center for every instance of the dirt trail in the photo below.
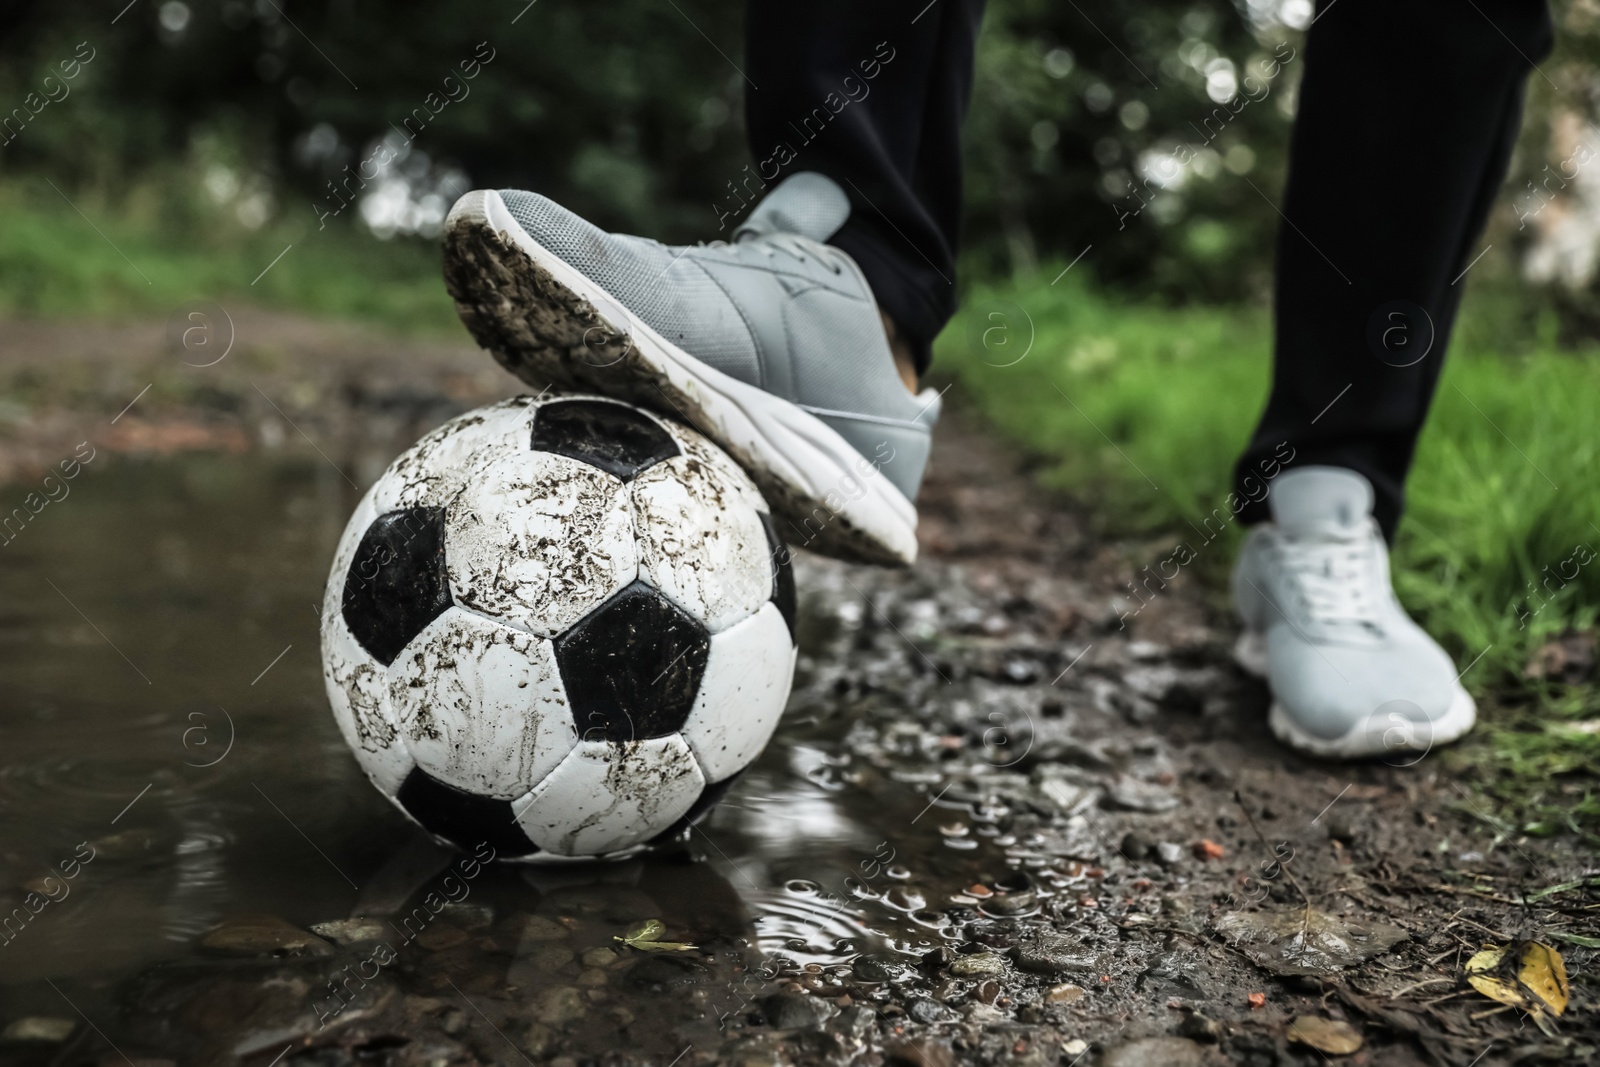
(1158, 880)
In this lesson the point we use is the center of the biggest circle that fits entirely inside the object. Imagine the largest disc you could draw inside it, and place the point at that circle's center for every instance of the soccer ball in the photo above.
(560, 626)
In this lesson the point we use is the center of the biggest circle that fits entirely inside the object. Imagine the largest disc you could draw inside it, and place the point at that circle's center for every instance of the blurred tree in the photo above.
(1154, 131)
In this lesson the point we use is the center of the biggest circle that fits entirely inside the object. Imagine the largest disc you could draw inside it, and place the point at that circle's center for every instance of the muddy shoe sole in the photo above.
(548, 324)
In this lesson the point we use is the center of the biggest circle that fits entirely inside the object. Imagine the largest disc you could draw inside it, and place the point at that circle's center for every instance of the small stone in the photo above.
(598, 957)
(1065, 993)
(591, 978)
(658, 972)
(795, 1011)
(441, 936)
(39, 1028)
(1341, 827)
(1333, 1036)
(1207, 849)
(919, 1054)
(1200, 1028)
(1011, 903)
(263, 935)
(537, 1039)
(978, 965)
(1169, 854)
(930, 1012)
(854, 1022)
(1076, 1047)
(1132, 794)
(469, 916)
(538, 928)
(559, 1005)
(1167, 1051)
(356, 931)
(548, 958)
(1134, 847)
(1171, 974)
(1048, 952)
(878, 967)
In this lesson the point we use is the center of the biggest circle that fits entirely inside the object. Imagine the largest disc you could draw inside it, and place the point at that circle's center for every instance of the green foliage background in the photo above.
(629, 112)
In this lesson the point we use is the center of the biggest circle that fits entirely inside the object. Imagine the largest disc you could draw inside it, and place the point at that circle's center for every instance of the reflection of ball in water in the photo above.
(561, 626)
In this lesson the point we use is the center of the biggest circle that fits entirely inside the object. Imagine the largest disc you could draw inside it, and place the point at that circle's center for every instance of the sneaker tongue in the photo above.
(1314, 498)
(809, 204)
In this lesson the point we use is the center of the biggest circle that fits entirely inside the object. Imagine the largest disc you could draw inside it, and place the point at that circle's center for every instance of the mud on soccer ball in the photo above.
(561, 626)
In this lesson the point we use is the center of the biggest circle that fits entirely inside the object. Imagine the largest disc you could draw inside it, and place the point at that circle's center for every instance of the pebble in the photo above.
(562, 1004)
(1134, 847)
(930, 1012)
(1011, 903)
(1065, 993)
(1047, 952)
(263, 935)
(1134, 795)
(352, 931)
(1167, 1051)
(1200, 1028)
(878, 967)
(469, 916)
(1169, 854)
(854, 1022)
(598, 957)
(795, 1011)
(538, 928)
(1076, 1047)
(38, 1028)
(441, 936)
(1170, 974)
(978, 965)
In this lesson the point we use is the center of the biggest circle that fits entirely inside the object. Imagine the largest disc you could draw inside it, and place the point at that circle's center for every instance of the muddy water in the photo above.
(168, 763)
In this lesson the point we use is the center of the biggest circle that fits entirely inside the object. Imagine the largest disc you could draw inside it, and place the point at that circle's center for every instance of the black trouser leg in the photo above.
(872, 94)
(1408, 112)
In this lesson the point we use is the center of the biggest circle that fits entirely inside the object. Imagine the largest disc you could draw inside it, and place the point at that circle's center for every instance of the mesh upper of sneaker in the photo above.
(665, 286)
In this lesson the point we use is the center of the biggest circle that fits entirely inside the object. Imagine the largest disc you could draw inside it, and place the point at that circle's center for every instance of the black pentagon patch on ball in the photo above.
(632, 666)
(782, 573)
(463, 819)
(396, 584)
(613, 437)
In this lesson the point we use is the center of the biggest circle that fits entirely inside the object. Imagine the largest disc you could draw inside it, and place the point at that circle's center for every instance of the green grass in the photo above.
(151, 249)
(1141, 410)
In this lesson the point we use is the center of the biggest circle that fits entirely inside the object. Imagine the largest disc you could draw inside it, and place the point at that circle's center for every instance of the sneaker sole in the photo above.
(1367, 739)
(548, 324)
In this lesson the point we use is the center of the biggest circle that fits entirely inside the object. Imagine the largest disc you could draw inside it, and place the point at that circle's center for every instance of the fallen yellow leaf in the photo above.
(1540, 985)
(1325, 1035)
(1544, 973)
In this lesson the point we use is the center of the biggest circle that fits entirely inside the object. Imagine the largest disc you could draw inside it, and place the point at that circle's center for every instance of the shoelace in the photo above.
(770, 244)
(1333, 574)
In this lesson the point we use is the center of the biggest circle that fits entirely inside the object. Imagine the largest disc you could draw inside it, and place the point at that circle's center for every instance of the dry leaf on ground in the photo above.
(1333, 1036)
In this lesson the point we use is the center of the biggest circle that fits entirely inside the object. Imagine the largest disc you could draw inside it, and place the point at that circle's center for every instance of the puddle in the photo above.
(165, 717)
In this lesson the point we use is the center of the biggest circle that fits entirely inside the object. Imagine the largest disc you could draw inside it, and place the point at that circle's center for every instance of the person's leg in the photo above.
(1407, 116)
(872, 95)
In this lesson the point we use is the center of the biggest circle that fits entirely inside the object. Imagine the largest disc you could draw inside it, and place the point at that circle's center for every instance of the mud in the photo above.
(996, 825)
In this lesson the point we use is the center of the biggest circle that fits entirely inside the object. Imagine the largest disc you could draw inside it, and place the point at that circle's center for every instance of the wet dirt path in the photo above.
(1000, 824)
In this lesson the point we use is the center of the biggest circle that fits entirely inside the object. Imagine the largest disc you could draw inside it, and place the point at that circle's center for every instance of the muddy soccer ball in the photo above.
(560, 626)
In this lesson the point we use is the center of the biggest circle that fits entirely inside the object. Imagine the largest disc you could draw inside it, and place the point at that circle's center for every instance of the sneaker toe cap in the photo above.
(1330, 689)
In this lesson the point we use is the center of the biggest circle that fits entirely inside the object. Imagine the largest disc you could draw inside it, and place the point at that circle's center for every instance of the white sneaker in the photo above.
(1351, 674)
